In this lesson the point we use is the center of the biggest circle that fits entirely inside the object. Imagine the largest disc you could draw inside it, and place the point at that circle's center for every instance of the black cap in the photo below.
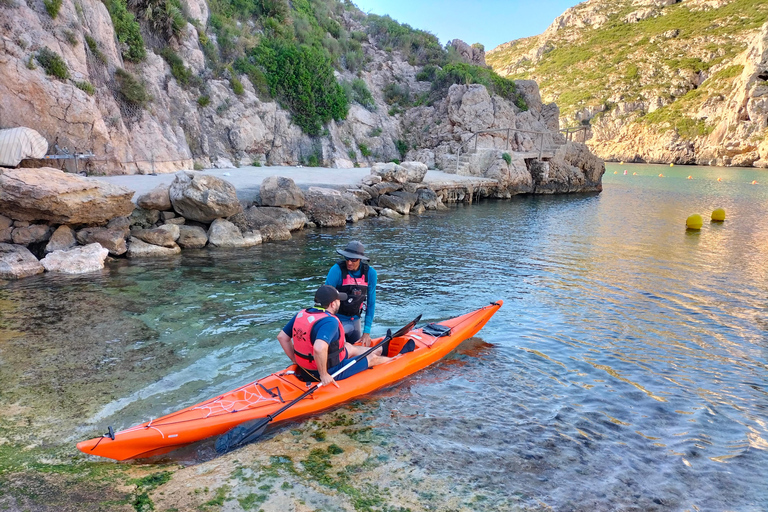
(354, 250)
(327, 294)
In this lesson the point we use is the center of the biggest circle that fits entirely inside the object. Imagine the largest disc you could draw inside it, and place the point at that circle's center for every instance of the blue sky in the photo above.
(490, 22)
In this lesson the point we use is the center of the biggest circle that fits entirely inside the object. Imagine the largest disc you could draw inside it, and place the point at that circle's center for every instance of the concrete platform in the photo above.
(247, 180)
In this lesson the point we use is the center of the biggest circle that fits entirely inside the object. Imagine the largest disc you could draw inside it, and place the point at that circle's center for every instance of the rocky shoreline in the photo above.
(64, 223)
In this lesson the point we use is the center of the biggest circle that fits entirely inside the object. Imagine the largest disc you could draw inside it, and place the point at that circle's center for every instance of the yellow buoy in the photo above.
(671, 165)
(615, 172)
(690, 177)
(719, 179)
(694, 221)
(622, 162)
(661, 175)
(634, 174)
(718, 215)
(754, 182)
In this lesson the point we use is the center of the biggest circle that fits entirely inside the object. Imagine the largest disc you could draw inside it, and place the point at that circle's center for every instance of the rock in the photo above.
(177, 221)
(360, 194)
(61, 198)
(63, 238)
(325, 210)
(371, 180)
(474, 54)
(281, 192)
(273, 232)
(383, 188)
(415, 171)
(144, 218)
(156, 199)
(192, 237)
(111, 239)
(123, 224)
(392, 214)
(17, 262)
(5, 222)
(223, 233)
(31, 234)
(166, 216)
(390, 172)
(77, 260)
(256, 218)
(140, 249)
(203, 198)
(470, 107)
(401, 202)
(164, 236)
(427, 198)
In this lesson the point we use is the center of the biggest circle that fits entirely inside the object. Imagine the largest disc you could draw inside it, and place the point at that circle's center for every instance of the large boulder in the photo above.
(61, 198)
(77, 260)
(16, 262)
(223, 233)
(34, 233)
(281, 192)
(257, 217)
(203, 198)
(140, 249)
(192, 237)
(390, 171)
(111, 239)
(6, 228)
(156, 199)
(164, 236)
(63, 238)
(415, 171)
(330, 208)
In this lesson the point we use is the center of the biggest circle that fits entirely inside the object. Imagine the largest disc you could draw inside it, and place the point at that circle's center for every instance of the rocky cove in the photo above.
(60, 222)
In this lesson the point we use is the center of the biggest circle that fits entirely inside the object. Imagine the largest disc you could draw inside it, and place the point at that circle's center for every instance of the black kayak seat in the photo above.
(436, 330)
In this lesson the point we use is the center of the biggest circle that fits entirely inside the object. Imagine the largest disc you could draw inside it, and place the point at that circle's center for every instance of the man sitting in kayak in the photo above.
(354, 277)
(314, 340)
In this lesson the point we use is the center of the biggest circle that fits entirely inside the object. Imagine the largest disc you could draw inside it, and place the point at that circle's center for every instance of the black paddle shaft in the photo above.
(247, 432)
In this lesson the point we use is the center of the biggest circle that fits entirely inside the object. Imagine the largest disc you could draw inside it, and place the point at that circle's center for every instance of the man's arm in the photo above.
(320, 349)
(334, 276)
(287, 344)
(370, 307)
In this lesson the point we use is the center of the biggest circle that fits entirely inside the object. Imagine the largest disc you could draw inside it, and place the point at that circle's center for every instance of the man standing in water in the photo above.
(314, 340)
(355, 278)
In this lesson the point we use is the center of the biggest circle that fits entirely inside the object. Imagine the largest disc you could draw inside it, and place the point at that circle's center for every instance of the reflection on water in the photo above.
(627, 368)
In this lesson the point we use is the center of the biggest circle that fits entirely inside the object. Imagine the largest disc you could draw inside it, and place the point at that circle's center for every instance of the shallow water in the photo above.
(627, 369)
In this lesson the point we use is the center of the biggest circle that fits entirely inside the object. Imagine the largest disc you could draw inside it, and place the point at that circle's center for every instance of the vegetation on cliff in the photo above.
(675, 59)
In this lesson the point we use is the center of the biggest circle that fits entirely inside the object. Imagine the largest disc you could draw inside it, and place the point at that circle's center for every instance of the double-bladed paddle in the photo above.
(252, 430)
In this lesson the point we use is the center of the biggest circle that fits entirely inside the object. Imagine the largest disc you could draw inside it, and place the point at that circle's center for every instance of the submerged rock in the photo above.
(17, 262)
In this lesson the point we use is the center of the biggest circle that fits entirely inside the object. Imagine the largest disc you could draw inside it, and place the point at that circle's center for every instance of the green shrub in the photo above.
(237, 86)
(87, 87)
(402, 148)
(313, 161)
(52, 63)
(93, 46)
(375, 132)
(180, 72)
(52, 7)
(357, 91)
(396, 94)
(352, 154)
(364, 149)
(417, 46)
(204, 100)
(302, 78)
(127, 30)
(507, 158)
(427, 73)
(71, 37)
(256, 163)
(130, 89)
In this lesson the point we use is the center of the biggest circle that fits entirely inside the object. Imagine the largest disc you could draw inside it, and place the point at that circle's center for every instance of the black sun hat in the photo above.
(327, 294)
(354, 250)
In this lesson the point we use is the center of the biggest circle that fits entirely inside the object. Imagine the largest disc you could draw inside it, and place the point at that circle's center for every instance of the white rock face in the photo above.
(77, 260)
(17, 262)
(223, 233)
(140, 249)
(203, 198)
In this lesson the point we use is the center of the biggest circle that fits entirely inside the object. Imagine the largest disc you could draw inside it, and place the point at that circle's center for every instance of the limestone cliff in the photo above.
(655, 80)
(152, 86)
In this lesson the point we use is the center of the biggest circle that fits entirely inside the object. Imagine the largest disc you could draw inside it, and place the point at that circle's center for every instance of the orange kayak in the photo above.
(265, 396)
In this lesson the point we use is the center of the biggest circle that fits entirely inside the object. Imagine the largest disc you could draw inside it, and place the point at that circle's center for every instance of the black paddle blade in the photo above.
(241, 435)
(406, 328)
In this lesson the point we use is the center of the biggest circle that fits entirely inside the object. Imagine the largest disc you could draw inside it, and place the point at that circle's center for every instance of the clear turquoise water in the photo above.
(626, 371)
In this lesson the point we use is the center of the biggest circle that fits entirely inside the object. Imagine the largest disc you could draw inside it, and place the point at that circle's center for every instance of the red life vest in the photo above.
(303, 344)
(355, 288)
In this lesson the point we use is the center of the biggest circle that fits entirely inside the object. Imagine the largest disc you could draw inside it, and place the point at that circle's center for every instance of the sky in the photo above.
(489, 22)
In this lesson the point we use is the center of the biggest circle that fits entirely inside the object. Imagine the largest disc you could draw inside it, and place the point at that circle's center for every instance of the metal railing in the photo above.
(539, 137)
(569, 132)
